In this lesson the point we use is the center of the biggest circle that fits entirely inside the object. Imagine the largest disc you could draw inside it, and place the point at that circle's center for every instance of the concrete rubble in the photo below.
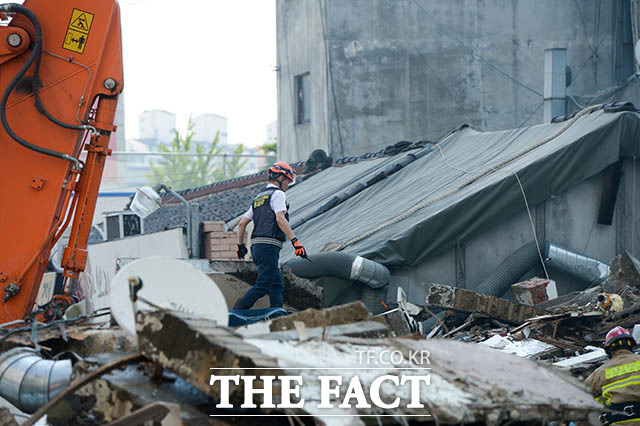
(534, 291)
(488, 360)
(299, 292)
(443, 296)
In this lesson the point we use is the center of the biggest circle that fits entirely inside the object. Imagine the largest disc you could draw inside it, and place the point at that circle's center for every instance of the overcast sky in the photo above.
(197, 56)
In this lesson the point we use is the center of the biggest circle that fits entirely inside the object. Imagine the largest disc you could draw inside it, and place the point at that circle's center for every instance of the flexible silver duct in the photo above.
(500, 279)
(29, 381)
(576, 264)
(342, 265)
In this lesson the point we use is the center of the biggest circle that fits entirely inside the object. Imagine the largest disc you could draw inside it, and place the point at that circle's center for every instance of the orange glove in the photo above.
(300, 251)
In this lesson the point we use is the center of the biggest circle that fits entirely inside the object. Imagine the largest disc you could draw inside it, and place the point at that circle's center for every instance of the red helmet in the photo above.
(616, 334)
(282, 168)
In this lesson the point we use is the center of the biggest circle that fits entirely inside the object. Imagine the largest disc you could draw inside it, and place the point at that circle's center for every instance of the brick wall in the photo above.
(218, 243)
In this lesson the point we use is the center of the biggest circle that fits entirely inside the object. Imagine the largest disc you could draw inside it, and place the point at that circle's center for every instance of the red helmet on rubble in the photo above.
(619, 338)
(282, 168)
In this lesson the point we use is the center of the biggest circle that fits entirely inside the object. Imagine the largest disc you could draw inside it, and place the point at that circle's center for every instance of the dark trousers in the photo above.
(270, 280)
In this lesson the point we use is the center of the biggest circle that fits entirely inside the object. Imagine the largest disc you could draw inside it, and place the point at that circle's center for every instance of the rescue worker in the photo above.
(616, 383)
(269, 212)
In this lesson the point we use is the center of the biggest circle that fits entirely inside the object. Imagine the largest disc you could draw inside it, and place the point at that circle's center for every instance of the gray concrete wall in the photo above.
(301, 49)
(406, 69)
(568, 219)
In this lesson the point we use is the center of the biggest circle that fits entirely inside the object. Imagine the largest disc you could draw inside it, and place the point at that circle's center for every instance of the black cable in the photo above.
(43, 110)
(35, 56)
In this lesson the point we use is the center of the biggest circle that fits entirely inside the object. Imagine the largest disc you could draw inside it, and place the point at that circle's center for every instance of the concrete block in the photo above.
(534, 291)
(343, 314)
(363, 329)
(444, 296)
(190, 346)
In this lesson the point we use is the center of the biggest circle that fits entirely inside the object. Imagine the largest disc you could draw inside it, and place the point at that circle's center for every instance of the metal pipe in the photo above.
(188, 154)
(186, 203)
(29, 381)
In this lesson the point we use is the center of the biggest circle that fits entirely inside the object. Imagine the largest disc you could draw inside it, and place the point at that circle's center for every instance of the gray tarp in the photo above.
(587, 147)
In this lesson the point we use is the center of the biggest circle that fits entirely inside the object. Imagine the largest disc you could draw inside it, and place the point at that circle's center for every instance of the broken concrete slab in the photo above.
(447, 297)
(299, 293)
(233, 289)
(509, 387)
(90, 342)
(365, 329)
(625, 272)
(343, 314)
(122, 392)
(190, 347)
(534, 291)
(479, 384)
(572, 300)
(155, 413)
(6, 418)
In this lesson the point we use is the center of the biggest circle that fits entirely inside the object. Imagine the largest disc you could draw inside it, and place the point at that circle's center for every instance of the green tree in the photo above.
(270, 148)
(232, 166)
(183, 172)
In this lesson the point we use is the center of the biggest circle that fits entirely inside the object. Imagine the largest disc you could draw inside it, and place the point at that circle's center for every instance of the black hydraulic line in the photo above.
(35, 56)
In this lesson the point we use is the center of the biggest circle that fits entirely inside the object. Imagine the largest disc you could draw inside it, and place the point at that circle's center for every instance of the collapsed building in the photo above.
(414, 248)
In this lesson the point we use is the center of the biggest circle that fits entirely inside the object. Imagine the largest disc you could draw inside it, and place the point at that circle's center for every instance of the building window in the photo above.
(303, 95)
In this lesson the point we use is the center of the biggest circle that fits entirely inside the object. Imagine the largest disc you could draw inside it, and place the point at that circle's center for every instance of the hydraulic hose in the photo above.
(35, 57)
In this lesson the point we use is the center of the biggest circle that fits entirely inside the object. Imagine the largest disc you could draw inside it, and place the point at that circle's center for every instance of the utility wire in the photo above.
(435, 74)
(595, 52)
(330, 74)
(443, 29)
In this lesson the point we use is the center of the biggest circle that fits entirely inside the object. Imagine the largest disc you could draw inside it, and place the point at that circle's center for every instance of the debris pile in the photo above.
(565, 331)
(476, 358)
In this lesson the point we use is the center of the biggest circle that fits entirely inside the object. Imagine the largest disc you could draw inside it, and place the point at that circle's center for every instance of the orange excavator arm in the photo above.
(60, 77)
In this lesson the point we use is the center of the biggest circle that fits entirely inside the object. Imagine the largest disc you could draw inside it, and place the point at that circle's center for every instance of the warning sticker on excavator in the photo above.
(78, 31)
(75, 41)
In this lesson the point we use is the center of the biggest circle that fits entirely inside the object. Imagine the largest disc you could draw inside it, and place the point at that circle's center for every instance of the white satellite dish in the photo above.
(170, 284)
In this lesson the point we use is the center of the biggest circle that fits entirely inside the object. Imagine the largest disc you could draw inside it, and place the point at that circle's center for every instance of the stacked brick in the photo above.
(218, 243)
